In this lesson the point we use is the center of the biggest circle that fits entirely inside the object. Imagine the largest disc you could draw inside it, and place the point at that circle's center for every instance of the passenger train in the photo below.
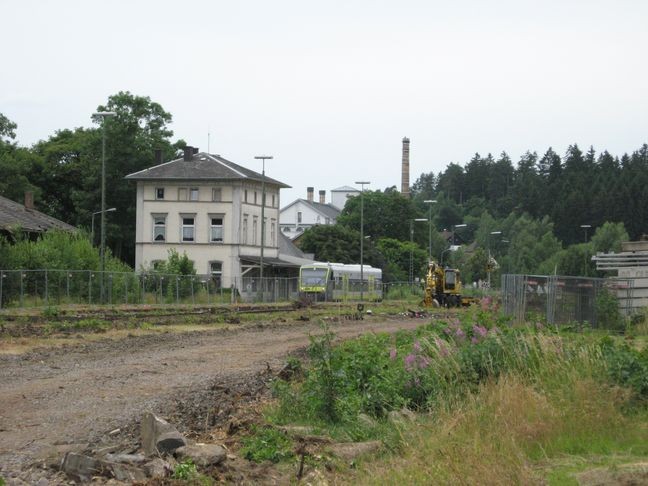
(325, 281)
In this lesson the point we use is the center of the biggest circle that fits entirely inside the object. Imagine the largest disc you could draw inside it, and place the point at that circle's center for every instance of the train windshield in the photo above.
(312, 277)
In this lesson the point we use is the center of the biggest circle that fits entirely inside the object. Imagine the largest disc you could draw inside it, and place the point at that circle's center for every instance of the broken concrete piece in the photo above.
(126, 472)
(350, 451)
(157, 468)
(202, 454)
(126, 458)
(158, 435)
(81, 467)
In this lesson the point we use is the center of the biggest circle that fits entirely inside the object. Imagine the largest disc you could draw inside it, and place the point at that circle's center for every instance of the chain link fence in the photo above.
(40, 288)
(562, 300)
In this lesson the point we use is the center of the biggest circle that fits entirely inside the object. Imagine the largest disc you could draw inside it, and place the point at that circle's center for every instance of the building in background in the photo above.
(209, 208)
(17, 218)
(301, 214)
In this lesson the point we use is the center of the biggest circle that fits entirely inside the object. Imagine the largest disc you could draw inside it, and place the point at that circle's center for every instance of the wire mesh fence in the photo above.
(39, 288)
(561, 299)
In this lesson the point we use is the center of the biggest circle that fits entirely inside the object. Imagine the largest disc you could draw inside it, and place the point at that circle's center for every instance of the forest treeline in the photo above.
(579, 188)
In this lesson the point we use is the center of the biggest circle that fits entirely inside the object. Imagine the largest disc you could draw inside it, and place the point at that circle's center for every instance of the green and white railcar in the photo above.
(339, 282)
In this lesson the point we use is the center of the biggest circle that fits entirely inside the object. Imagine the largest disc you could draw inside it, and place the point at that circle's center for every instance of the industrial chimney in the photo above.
(405, 185)
(322, 195)
(309, 193)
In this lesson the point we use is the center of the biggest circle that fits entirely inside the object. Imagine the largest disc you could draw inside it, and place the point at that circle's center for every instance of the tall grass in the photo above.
(496, 400)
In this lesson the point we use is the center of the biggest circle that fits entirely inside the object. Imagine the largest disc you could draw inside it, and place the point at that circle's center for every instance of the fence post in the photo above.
(2, 276)
(22, 276)
(126, 289)
(46, 288)
(193, 301)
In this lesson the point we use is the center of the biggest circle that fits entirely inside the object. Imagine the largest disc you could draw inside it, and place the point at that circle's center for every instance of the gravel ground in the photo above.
(53, 400)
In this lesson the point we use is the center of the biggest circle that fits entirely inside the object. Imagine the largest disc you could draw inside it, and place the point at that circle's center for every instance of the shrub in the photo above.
(607, 311)
(185, 470)
(267, 444)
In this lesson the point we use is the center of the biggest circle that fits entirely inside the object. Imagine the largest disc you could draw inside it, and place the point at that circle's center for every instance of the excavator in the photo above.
(443, 287)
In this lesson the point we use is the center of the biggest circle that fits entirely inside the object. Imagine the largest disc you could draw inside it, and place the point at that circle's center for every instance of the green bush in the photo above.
(608, 313)
(267, 444)
(185, 470)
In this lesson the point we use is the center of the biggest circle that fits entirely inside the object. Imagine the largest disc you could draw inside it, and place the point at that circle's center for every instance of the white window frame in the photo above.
(217, 194)
(183, 194)
(299, 217)
(156, 216)
(212, 227)
(245, 229)
(183, 226)
(255, 223)
(194, 194)
(157, 197)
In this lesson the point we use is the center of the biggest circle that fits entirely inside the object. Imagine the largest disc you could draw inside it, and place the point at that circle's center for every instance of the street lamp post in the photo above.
(103, 115)
(110, 210)
(586, 227)
(362, 184)
(430, 202)
(263, 158)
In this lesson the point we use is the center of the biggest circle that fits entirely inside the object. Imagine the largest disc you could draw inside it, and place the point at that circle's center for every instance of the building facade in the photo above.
(210, 208)
(302, 214)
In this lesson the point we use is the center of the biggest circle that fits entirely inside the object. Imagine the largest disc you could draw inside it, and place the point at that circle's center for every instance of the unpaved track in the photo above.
(75, 394)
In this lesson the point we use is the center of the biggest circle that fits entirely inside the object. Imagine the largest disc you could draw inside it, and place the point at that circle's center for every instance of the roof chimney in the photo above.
(195, 150)
(405, 186)
(188, 153)
(158, 156)
(309, 193)
(322, 197)
(29, 200)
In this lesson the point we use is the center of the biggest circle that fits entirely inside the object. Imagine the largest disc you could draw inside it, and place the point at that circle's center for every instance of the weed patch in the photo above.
(267, 444)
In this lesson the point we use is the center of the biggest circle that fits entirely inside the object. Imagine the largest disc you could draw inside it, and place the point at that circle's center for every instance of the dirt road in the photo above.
(79, 393)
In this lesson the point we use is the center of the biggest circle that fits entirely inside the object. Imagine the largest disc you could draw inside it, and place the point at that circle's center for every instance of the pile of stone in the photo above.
(161, 447)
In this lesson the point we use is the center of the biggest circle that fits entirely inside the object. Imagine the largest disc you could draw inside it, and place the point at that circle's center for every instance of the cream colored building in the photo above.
(210, 208)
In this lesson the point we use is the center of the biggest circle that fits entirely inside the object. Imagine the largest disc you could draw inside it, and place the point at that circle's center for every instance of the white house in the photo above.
(305, 213)
(210, 208)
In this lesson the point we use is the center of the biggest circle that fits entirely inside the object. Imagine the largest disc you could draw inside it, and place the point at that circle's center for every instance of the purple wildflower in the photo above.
(410, 359)
(474, 340)
(424, 362)
(480, 331)
(460, 334)
(443, 349)
(447, 330)
(392, 354)
(417, 346)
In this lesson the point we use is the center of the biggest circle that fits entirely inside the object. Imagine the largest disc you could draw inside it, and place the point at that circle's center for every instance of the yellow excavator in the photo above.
(443, 287)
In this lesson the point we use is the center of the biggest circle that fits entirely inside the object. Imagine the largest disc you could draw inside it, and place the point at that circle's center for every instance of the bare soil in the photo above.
(58, 399)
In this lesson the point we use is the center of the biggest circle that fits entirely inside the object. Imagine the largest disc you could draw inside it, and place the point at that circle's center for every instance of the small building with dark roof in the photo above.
(24, 218)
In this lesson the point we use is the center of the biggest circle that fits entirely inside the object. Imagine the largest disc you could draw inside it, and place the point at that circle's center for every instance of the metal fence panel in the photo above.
(559, 299)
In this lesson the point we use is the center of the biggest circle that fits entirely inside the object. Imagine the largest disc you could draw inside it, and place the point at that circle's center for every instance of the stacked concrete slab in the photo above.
(631, 265)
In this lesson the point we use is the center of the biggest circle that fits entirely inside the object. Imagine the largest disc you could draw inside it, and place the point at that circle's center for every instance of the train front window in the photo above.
(313, 276)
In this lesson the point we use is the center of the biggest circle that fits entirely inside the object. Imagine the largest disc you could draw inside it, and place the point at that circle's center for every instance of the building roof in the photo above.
(345, 189)
(327, 210)
(288, 248)
(201, 166)
(15, 215)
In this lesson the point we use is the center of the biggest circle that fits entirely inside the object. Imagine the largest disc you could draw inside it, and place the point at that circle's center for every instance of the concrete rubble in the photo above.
(160, 442)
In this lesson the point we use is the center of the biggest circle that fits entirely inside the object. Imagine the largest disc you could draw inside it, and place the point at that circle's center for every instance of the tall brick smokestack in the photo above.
(405, 185)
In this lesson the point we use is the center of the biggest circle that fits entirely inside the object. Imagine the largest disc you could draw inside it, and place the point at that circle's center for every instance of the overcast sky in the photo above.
(330, 88)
